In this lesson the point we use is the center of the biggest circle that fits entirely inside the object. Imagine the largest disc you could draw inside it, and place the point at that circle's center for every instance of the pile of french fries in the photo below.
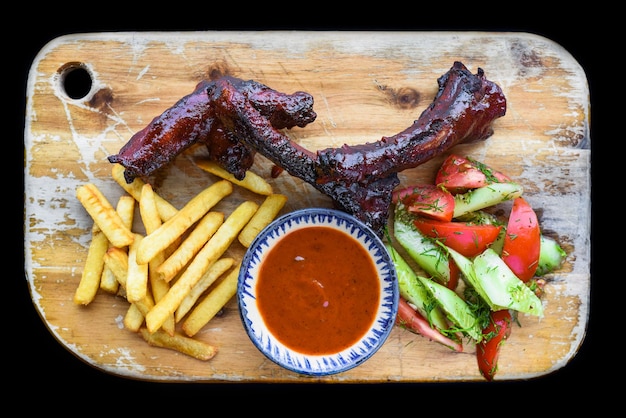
(175, 274)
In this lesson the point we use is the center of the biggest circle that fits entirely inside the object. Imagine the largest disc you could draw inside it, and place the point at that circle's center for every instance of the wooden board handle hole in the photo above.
(75, 80)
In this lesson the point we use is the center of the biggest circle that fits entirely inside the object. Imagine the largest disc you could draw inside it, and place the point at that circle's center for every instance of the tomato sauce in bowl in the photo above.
(317, 292)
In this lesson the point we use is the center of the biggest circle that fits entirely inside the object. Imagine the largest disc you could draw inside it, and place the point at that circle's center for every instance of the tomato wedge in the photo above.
(522, 241)
(455, 274)
(466, 238)
(494, 335)
(412, 320)
(459, 174)
(426, 200)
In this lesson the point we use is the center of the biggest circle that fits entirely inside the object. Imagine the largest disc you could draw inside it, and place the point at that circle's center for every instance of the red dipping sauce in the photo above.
(318, 290)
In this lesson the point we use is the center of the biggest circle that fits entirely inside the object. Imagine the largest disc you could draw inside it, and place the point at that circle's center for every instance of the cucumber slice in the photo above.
(502, 287)
(413, 291)
(551, 256)
(429, 256)
(485, 196)
(458, 311)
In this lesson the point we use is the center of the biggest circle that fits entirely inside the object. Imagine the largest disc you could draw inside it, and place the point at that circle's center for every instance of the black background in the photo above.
(41, 369)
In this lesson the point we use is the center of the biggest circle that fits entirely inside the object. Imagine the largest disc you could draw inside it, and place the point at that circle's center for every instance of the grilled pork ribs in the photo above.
(237, 119)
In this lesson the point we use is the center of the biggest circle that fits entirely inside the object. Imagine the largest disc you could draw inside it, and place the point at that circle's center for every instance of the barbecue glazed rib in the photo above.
(359, 179)
(191, 121)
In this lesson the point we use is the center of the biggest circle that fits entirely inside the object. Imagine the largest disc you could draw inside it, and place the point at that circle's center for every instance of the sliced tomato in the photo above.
(426, 200)
(410, 319)
(466, 238)
(522, 240)
(459, 174)
(494, 335)
(455, 274)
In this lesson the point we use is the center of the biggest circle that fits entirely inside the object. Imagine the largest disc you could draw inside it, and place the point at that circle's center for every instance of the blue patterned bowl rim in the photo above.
(275, 350)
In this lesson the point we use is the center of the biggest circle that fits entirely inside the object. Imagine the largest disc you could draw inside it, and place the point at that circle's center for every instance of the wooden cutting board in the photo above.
(366, 85)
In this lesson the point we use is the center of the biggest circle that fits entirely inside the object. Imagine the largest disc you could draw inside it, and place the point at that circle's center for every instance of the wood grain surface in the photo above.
(365, 85)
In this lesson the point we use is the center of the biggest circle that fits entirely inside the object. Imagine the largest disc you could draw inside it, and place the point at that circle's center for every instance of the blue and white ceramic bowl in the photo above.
(317, 365)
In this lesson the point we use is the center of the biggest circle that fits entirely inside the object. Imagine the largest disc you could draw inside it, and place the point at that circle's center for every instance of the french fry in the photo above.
(145, 305)
(251, 181)
(152, 221)
(213, 273)
(126, 209)
(206, 309)
(200, 234)
(212, 250)
(137, 277)
(92, 271)
(134, 319)
(165, 208)
(104, 215)
(148, 209)
(180, 343)
(268, 210)
(174, 227)
(108, 281)
(116, 259)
